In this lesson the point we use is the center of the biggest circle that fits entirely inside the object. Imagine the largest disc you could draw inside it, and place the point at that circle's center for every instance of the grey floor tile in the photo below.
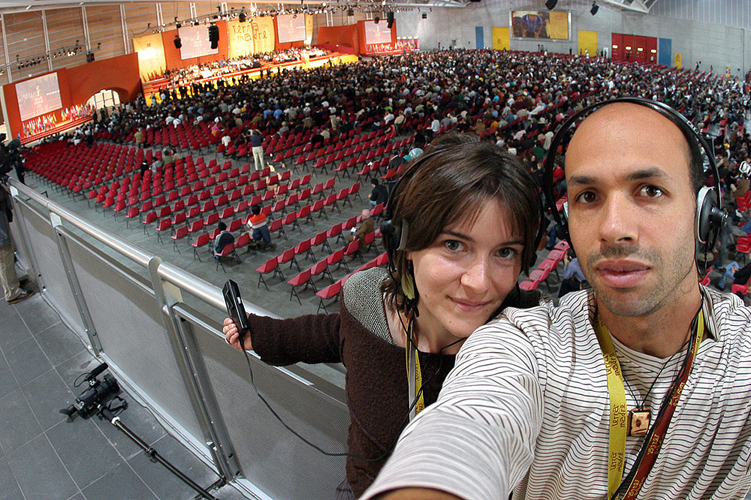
(39, 472)
(13, 332)
(37, 314)
(120, 483)
(59, 343)
(17, 422)
(8, 382)
(10, 489)
(27, 360)
(77, 496)
(140, 421)
(166, 485)
(46, 395)
(84, 451)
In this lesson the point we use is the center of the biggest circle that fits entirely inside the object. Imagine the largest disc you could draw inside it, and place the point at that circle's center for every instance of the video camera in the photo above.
(90, 401)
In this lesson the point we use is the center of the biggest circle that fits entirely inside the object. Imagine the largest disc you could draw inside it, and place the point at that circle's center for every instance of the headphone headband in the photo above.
(710, 218)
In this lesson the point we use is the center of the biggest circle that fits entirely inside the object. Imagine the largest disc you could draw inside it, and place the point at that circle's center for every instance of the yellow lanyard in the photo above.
(618, 413)
(414, 376)
(617, 449)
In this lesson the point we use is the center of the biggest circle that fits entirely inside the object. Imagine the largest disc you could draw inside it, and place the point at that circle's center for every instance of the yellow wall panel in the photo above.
(501, 40)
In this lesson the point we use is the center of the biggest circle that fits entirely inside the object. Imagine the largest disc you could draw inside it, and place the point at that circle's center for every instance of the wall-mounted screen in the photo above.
(291, 28)
(195, 40)
(38, 96)
(540, 24)
(377, 33)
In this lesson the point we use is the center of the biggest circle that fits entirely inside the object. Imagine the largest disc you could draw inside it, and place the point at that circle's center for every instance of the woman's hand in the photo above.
(232, 335)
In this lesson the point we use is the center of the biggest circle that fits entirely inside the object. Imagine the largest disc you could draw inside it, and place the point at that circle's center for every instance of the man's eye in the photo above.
(651, 191)
(587, 197)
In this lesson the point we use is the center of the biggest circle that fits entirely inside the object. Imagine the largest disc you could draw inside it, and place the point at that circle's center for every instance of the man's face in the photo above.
(631, 208)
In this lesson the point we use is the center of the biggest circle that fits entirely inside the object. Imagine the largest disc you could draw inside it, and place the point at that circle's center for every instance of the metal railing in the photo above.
(133, 312)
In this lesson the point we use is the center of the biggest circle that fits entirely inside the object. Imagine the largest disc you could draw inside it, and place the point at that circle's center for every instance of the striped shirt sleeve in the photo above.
(491, 406)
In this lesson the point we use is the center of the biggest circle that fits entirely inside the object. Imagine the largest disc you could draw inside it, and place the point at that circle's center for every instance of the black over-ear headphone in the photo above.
(395, 235)
(710, 216)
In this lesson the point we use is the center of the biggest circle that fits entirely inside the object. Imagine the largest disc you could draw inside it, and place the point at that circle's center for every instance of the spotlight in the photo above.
(550, 4)
(594, 9)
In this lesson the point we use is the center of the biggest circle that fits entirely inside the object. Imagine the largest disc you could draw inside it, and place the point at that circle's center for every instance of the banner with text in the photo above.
(151, 61)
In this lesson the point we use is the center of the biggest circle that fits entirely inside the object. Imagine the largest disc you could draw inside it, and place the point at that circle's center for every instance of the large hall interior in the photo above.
(138, 133)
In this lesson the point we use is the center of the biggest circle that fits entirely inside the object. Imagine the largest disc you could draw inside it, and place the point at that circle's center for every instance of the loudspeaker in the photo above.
(550, 4)
(178, 42)
(390, 20)
(241, 17)
(424, 15)
(594, 9)
(350, 12)
(90, 57)
(214, 36)
(376, 19)
(710, 216)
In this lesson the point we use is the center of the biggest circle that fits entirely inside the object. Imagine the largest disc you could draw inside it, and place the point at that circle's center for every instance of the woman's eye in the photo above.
(453, 245)
(507, 253)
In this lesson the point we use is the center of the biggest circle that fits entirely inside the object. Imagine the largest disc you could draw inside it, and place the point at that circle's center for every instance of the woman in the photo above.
(466, 215)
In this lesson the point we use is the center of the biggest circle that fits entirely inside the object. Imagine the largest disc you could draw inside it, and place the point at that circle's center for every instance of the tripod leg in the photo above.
(151, 452)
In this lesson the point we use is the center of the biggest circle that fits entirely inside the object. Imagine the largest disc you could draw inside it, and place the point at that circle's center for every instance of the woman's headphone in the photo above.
(710, 216)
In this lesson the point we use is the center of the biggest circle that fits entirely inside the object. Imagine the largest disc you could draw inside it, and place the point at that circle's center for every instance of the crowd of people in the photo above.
(184, 77)
(515, 99)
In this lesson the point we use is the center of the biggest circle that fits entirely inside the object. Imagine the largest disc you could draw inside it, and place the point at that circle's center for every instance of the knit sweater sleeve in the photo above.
(313, 338)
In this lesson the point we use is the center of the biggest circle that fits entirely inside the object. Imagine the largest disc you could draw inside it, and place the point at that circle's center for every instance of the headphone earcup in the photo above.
(391, 235)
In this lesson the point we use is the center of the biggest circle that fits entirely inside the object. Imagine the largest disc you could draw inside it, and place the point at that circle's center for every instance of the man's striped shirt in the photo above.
(527, 409)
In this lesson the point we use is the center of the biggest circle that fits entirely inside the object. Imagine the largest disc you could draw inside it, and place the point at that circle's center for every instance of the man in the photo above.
(224, 239)
(11, 286)
(528, 406)
(379, 194)
(261, 235)
(367, 226)
(256, 141)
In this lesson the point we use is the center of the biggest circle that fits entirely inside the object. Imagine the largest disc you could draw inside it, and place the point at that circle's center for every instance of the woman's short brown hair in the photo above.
(454, 178)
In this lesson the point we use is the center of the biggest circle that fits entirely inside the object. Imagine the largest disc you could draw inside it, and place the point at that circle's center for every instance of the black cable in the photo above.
(386, 453)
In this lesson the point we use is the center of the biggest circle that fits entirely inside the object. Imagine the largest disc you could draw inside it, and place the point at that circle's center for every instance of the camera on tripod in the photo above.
(91, 400)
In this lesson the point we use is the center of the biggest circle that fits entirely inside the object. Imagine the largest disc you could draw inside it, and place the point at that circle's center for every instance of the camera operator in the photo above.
(11, 286)
(11, 157)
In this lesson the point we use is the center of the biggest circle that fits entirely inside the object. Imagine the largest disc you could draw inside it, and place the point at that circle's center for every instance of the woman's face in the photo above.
(464, 276)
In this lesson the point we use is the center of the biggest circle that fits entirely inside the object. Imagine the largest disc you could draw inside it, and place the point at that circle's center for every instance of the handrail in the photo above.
(112, 240)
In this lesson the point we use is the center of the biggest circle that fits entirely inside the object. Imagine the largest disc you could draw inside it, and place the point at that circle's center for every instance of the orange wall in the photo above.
(78, 84)
(117, 73)
(340, 35)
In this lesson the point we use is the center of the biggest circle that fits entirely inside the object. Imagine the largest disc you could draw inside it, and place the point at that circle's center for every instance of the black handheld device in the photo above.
(235, 307)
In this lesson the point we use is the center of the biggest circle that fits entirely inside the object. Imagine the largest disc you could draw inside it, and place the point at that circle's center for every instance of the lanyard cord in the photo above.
(618, 414)
(414, 373)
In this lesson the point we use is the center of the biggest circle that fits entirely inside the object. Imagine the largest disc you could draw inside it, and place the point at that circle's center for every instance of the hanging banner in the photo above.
(308, 30)
(262, 29)
(151, 62)
(240, 39)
